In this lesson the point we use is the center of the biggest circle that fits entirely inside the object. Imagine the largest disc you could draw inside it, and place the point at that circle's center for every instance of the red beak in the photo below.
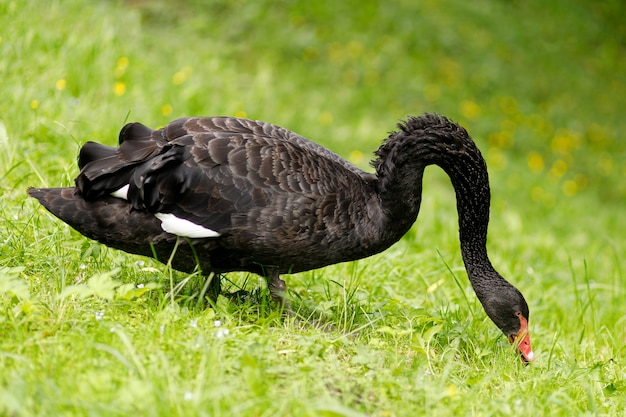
(522, 340)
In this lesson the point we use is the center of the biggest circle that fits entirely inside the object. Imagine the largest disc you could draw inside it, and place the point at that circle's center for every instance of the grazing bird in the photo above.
(229, 194)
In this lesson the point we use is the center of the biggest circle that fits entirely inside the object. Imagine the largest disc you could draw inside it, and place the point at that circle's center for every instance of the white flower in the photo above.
(221, 333)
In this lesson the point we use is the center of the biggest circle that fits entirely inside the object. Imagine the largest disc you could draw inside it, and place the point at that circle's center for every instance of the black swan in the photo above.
(230, 194)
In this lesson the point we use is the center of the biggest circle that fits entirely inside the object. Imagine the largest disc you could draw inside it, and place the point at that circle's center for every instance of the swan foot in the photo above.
(278, 291)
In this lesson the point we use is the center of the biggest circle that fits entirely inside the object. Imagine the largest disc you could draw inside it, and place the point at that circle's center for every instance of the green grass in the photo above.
(86, 330)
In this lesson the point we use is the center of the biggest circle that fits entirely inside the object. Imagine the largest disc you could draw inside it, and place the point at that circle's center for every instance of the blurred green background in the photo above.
(540, 86)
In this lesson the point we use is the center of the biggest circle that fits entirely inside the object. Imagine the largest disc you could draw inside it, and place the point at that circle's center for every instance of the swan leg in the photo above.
(278, 291)
(214, 287)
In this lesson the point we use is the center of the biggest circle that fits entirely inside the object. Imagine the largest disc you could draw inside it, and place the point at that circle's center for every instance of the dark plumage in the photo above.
(265, 200)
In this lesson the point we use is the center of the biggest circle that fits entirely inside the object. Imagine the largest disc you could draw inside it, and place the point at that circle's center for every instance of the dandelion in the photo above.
(356, 157)
(121, 66)
(470, 109)
(166, 110)
(565, 141)
(34, 104)
(535, 162)
(570, 187)
(181, 76)
(61, 84)
(119, 88)
(241, 113)
(559, 168)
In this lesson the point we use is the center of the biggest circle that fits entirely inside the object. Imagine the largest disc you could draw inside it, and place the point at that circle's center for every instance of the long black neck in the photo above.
(400, 167)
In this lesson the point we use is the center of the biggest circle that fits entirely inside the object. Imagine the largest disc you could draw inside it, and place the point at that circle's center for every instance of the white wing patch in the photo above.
(172, 224)
(181, 227)
(121, 192)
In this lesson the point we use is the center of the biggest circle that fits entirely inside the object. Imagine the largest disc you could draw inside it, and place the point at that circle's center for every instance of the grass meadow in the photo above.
(541, 86)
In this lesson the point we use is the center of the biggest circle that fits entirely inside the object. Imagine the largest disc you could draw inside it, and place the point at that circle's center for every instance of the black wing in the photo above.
(218, 171)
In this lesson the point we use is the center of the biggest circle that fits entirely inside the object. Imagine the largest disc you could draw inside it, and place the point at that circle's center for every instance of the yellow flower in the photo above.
(356, 157)
(123, 62)
(535, 162)
(241, 113)
(565, 141)
(183, 75)
(34, 104)
(120, 67)
(166, 110)
(570, 187)
(470, 109)
(61, 84)
(119, 88)
(559, 168)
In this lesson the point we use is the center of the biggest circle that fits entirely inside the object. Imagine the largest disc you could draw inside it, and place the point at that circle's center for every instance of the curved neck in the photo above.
(400, 167)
